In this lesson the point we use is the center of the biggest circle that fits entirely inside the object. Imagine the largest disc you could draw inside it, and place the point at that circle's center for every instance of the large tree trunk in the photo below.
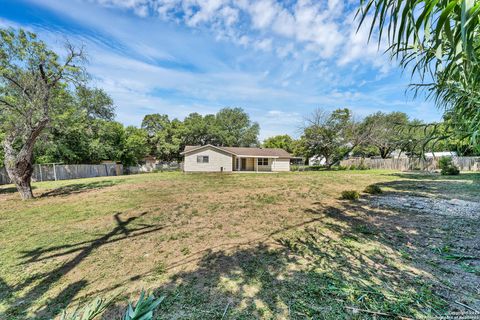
(19, 164)
(19, 168)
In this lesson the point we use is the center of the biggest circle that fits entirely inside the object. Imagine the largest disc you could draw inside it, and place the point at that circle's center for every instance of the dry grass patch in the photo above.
(258, 246)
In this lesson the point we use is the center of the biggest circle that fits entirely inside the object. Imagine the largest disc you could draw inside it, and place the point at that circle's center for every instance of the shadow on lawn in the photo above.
(79, 187)
(307, 274)
(352, 262)
(465, 186)
(6, 190)
(347, 263)
(45, 281)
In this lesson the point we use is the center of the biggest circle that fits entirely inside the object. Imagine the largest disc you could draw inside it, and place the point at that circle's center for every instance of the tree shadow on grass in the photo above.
(465, 186)
(79, 187)
(427, 242)
(302, 279)
(19, 301)
(339, 266)
(7, 190)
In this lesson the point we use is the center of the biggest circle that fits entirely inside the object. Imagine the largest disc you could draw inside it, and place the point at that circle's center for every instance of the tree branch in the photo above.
(24, 90)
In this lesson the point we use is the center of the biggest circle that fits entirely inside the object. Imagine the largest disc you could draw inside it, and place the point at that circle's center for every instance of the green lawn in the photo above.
(239, 246)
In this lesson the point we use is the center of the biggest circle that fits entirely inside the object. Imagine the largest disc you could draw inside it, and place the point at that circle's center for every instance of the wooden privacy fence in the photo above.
(53, 172)
(404, 164)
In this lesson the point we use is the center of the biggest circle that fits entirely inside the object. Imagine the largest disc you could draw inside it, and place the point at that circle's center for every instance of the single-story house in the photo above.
(211, 158)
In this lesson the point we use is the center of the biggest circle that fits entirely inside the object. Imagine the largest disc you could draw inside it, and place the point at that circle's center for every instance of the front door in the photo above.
(243, 164)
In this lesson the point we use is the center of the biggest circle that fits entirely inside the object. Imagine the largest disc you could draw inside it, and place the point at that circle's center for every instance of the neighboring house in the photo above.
(149, 160)
(398, 154)
(316, 161)
(210, 158)
(440, 154)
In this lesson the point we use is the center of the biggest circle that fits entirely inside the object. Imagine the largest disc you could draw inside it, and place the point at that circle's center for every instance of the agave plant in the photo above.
(440, 40)
(89, 311)
(143, 310)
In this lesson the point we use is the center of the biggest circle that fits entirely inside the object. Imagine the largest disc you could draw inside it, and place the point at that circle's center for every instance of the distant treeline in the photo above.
(90, 135)
(87, 133)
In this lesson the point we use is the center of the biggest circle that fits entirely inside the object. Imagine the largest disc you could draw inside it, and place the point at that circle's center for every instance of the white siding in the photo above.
(264, 167)
(281, 165)
(216, 160)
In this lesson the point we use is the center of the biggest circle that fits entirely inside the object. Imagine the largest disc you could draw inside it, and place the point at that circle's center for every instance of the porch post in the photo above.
(255, 164)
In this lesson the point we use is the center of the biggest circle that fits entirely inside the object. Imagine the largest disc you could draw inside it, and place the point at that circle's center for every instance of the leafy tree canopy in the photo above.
(439, 40)
(281, 141)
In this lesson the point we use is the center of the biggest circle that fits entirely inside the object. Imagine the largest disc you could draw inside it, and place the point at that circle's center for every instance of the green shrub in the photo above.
(362, 166)
(306, 168)
(353, 167)
(350, 195)
(143, 309)
(373, 189)
(447, 167)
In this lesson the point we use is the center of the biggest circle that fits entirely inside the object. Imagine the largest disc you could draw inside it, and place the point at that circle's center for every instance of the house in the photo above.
(211, 158)
(316, 161)
(149, 160)
(440, 154)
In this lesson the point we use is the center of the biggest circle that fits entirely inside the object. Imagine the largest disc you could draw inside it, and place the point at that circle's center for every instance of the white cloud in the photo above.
(290, 61)
(325, 28)
(264, 44)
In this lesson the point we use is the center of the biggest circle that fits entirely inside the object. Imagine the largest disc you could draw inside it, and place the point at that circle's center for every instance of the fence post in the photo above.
(54, 172)
(40, 170)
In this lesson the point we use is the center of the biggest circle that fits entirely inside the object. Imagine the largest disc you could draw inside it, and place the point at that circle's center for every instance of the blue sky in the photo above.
(278, 60)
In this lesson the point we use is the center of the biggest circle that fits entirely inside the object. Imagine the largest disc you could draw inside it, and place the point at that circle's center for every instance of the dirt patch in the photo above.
(425, 205)
(439, 236)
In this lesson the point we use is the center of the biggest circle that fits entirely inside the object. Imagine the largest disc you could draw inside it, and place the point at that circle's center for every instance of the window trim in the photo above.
(201, 159)
(262, 162)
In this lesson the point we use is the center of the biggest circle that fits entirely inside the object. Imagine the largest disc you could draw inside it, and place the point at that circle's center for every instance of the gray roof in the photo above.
(249, 152)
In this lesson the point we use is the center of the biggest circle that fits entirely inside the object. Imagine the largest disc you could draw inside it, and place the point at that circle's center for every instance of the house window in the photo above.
(202, 159)
(263, 161)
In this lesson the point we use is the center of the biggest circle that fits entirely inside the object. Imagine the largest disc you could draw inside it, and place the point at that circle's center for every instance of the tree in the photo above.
(95, 102)
(135, 146)
(153, 123)
(169, 141)
(281, 141)
(387, 131)
(2, 137)
(229, 127)
(235, 128)
(199, 130)
(333, 135)
(68, 137)
(164, 136)
(106, 142)
(32, 77)
(439, 41)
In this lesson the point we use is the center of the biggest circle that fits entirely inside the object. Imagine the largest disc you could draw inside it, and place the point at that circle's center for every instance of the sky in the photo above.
(278, 60)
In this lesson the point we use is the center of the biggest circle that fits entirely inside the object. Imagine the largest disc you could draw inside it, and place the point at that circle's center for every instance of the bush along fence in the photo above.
(53, 172)
(406, 164)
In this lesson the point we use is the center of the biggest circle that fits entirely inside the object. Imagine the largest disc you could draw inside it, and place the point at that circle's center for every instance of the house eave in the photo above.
(205, 146)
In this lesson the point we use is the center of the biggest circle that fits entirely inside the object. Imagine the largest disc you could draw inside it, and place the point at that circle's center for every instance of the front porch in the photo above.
(253, 164)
